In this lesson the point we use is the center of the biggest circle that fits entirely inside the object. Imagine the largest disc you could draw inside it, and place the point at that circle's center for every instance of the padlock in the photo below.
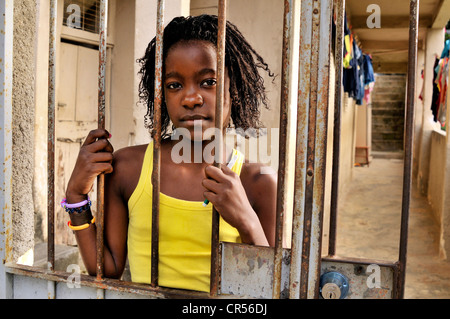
(333, 285)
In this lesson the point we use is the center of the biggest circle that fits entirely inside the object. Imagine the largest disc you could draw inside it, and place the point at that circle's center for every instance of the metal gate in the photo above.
(237, 270)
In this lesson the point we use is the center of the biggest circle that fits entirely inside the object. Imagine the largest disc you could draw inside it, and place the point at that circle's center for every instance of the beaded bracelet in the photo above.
(77, 207)
(80, 227)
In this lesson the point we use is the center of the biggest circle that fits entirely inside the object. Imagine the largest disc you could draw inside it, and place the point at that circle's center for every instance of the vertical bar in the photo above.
(409, 121)
(157, 142)
(338, 53)
(101, 124)
(6, 65)
(222, 20)
(301, 142)
(315, 34)
(310, 159)
(51, 138)
(323, 38)
(281, 185)
(51, 148)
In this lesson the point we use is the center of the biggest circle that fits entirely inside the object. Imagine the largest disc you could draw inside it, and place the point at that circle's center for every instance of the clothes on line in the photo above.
(358, 76)
(440, 85)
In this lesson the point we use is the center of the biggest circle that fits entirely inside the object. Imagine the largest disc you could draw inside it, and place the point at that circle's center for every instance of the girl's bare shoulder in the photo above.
(259, 181)
(130, 154)
(127, 166)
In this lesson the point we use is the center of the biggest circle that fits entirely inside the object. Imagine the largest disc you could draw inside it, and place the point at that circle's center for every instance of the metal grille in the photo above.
(305, 260)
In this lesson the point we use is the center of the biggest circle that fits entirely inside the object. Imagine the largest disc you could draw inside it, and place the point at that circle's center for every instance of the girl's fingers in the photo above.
(211, 185)
(226, 170)
(210, 196)
(100, 145)
(106, 168)
(215, 173)
(102, 157)
(96, 134)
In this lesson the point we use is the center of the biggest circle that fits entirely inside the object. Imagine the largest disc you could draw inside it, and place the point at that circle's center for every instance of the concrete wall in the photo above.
(23, 129)
(436, 181)
(418, 112)
(439, 185)
(431, 166)
(444, 238)
(434, 46)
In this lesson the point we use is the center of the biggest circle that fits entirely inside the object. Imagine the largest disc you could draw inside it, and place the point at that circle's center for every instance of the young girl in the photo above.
(244, 198)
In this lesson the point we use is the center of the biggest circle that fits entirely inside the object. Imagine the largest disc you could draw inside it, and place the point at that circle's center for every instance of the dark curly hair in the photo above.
(247, 89)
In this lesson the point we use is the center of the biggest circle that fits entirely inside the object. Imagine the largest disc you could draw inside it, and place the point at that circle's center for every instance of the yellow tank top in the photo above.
(184, 234)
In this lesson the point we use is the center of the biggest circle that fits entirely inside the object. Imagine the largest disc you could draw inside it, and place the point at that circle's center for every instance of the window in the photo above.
(82, 15)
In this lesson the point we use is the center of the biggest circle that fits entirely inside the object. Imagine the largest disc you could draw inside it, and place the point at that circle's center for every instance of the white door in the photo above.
(76, 115)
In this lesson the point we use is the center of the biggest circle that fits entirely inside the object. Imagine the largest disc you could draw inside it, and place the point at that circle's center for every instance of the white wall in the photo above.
(145, 31)
(434, 46)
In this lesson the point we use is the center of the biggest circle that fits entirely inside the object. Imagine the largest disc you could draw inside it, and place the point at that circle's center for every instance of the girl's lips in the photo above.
(194, 121)
(193, 117)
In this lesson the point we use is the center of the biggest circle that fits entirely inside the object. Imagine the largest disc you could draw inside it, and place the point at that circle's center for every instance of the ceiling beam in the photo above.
(442, 16)
(393, 21)
(388, 45)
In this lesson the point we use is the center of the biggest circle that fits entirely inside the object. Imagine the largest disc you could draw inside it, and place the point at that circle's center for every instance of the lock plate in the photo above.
(331, 291)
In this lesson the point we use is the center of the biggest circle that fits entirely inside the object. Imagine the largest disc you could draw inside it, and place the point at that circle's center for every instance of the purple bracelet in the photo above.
(73, 207)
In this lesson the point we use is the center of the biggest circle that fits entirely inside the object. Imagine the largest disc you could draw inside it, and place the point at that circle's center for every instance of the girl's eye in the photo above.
(209, 82)
(173, 86)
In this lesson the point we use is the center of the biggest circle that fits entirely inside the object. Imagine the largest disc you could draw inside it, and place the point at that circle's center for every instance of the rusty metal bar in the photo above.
(51, 138)
(6, 65)
(338, 53)
(409, 131)
(218, 138)
(281, 186)
(106, 284)
(300, 154)
(323, 39)
(51, 292)
(157, 142)
(316, 148)
(315, 30)
(101, 124)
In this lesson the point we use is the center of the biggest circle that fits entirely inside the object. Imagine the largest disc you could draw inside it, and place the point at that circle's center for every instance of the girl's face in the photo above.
(190, 82)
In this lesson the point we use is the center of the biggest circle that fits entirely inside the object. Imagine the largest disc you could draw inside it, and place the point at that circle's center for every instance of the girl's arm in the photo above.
(248, 203)
(95, 157)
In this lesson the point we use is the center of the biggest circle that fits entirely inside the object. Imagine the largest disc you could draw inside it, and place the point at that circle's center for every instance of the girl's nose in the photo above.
(193, 99)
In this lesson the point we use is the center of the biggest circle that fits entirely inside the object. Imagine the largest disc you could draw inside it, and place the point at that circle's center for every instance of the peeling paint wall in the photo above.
(23, 127)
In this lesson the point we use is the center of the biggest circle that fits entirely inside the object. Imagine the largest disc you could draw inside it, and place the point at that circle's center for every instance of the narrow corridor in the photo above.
(369, 227)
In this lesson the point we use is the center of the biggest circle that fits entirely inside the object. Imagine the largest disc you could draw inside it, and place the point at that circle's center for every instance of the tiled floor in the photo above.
(369, 227)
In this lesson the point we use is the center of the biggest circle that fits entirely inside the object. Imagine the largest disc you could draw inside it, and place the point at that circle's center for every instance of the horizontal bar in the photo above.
(108, 283)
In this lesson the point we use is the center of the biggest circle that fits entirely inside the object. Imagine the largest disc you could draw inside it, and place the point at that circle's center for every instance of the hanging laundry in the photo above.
(357, 69)
(445, 51)
(423, 86)
(368, 68)
(442, 79)
(440, 86)
(435, 96)
(348, 45)
(369, 78)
